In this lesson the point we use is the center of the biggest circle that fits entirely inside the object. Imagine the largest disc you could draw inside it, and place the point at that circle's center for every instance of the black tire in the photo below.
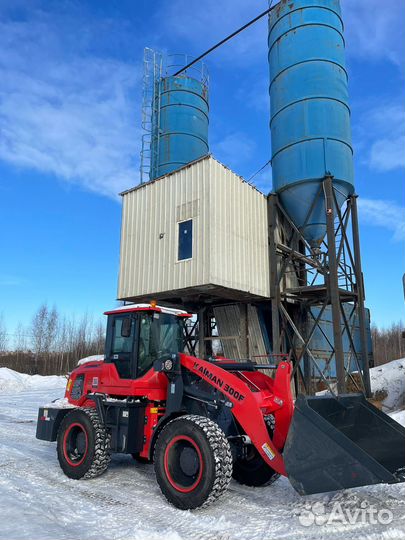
(193, 462)
(253, 471)
(83, 445)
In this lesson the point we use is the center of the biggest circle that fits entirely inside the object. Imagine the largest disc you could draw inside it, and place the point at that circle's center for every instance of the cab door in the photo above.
(149, 342)
(122, 343)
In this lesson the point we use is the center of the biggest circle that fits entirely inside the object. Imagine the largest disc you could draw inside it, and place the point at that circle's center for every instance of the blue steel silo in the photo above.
(310, 116)
(179, 123)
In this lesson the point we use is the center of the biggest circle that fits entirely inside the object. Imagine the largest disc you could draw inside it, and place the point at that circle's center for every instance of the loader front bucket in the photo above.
(342, 442)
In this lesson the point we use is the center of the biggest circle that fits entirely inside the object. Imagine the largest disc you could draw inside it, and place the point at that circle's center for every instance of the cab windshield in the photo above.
(160, 333)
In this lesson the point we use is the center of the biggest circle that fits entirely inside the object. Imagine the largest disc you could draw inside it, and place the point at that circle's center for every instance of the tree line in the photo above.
(388, 343)
(51, 344)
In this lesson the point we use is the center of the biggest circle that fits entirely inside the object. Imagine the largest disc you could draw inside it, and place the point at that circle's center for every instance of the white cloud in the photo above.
(200, 25)
(234, 149)
(262, 180)
(255, 94)
(374, 30)
(65, 111)
(388, 123)
(379, 136)
(388, 154)
(381, 213)
(7, 280)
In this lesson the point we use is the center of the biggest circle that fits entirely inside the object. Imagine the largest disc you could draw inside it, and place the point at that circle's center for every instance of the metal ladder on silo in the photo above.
(152, 73)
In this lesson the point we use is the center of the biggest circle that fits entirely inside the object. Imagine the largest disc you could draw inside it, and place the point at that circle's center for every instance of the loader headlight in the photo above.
(77, 389)
(168, 365)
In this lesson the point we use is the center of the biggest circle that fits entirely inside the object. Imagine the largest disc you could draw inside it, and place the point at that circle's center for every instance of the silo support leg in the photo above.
(244, 330)
(360, 296)
(274, 277)
(333, 285)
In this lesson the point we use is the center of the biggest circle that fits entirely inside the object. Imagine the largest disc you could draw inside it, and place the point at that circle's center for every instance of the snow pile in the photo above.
(390, 379)
(59, 403)
(93, 358)
(11, 381)
(398, 416)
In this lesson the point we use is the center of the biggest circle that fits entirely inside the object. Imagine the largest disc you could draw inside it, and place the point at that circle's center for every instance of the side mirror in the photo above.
(126, 327)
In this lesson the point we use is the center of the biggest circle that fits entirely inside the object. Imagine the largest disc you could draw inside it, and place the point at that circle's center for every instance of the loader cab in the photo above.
(137, 337)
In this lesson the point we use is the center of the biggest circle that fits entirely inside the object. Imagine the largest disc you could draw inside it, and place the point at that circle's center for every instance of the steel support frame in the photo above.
(200, 333)
(330, 268)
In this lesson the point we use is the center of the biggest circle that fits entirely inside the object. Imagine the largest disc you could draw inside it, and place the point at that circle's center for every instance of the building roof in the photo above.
(128, 308)
(207, 156)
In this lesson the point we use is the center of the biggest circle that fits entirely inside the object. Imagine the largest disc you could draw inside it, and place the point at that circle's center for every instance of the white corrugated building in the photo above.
(197, 233)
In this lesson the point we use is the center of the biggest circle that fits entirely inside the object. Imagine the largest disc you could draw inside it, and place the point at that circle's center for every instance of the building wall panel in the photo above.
(229, 233)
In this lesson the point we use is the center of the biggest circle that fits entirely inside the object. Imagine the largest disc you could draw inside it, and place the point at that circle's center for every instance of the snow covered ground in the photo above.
(391, 379)
(398, 416)
(38, 502)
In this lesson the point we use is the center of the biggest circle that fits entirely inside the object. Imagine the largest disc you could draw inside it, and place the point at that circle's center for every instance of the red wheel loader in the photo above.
(203, 422)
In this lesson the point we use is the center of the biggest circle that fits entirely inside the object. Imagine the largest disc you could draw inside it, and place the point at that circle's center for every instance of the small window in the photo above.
(122, 344)
(185, 240)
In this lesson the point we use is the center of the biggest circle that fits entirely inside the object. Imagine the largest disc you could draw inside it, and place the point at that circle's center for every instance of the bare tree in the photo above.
(99, 338)
(61, 345)
(53, 343)
(21, 349)
(3, 335)
(56, 342)
(21, 338)
(38, 333)
(388, 343)
(51, 329)
(44, 327)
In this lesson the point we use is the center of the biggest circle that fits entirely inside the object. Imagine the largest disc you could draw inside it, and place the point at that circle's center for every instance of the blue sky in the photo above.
(70, 94)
